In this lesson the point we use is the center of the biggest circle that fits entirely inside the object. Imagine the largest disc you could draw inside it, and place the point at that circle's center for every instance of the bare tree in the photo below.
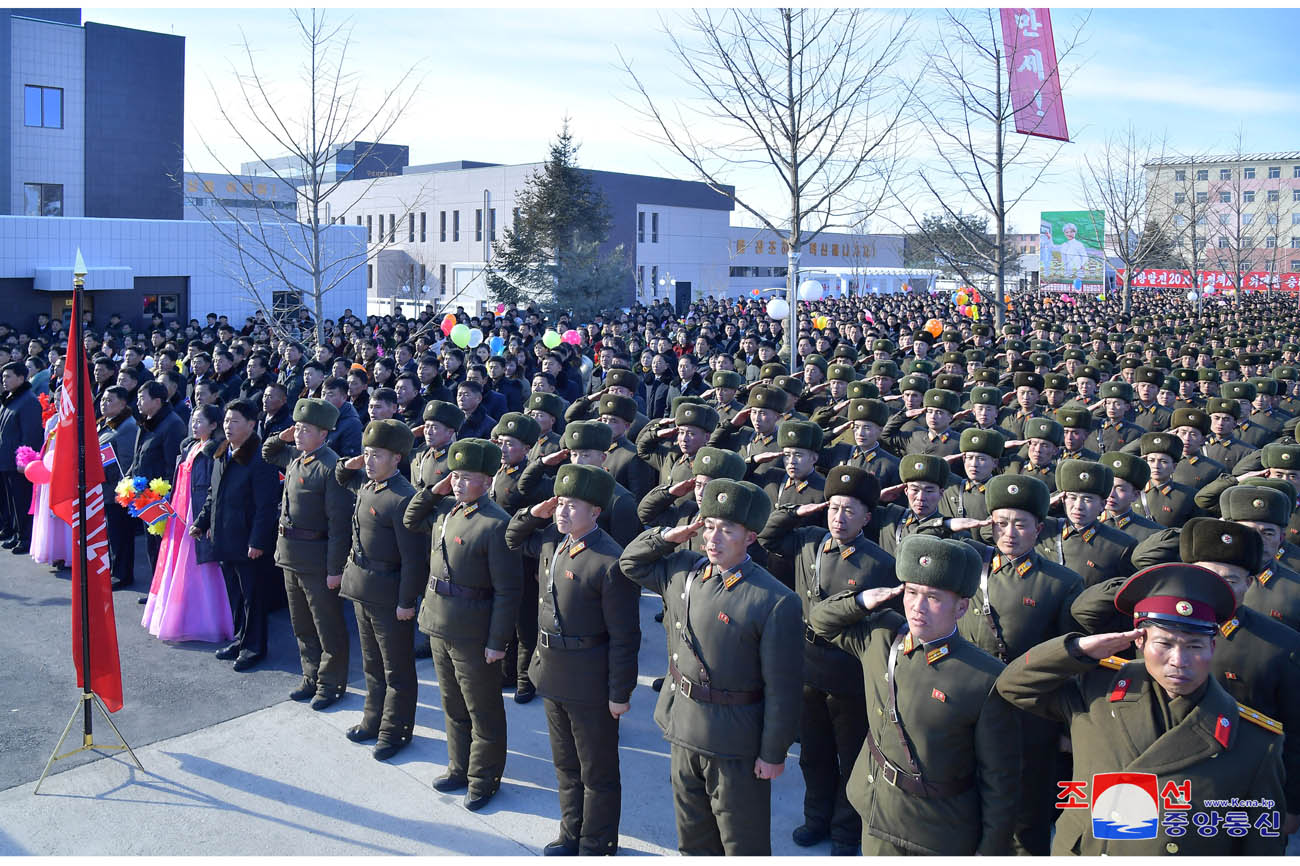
(813, 95)
(976, 166)
(1187, 208)
(1237, 224)
(294, 139)
(1115, 180)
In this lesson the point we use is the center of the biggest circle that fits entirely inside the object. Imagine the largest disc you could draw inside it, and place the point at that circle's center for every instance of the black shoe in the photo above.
(144, 599)
(561, 848)
(22, 549)
(448, 782)
(525, 692)
(385, 749)
(305, 690)
(474, 802)
(845, 849)
(657, 684)
(805, 835)
(247, 659)
(327, 697)
(423, 650)
(358, 734)
(228, 652)
(10, 542)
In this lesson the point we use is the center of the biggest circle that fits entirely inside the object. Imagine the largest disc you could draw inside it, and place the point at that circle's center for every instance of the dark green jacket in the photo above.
(397, 567)
(315, 501)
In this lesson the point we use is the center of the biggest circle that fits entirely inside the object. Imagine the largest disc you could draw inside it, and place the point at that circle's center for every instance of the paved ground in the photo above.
(231, 767)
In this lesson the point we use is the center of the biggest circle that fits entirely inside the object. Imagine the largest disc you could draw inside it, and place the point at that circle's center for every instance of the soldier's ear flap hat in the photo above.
(520, 426)
(855, 482)
(389, 434)
(589, 483)
(736, 501)
(447, 414)
(587, 436)
(1023, 492)
(1205, 539)
(1084, 476)
(924, 467)
(317, 412)
(942, 563)
(718, 463)
(474, 455)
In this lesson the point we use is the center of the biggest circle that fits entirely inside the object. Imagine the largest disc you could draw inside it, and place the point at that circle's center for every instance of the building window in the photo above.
(1295, 219)
(1247, 219)
(381, 228)
(1248, 173)
(1202, 197)
(1179, 220)
(1273, 195)
(370, 237)
(1274, 172)
(1295, 171)
(442, 279)
(654, 228)
(43, 199)
(640, 227)
(654, 279)
(410, 228)
(442, 226)
(1248, 196)
(392, 227)
(492, 223)
(162, 305)
(1225, 196)
(423, 222)
(1272, 219)
(1295, 243)
(1295, 195)
(358, 219)
(424, 278)
(1295, 264)
(455, 225)
(1200, 220)
(1180, 197)
(1270, 243)
(43, 106)
(370, 276)
(1223, 243)
(478, 224)
(640, 279)
(285, 302)
(1223, 219)
(1180, 175)
(1226, 174)
(1203, 174)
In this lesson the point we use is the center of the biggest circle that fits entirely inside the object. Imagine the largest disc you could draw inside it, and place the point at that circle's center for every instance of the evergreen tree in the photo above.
(552, 255)
(1156, 249)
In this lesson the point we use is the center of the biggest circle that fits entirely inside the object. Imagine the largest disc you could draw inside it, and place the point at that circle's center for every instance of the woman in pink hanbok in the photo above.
(51, 537)
(187, 599)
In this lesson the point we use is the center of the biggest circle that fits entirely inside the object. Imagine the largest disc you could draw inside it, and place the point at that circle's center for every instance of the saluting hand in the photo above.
(443, 487)
(741, 418)
(681, 488)
(286, 435)
(767, 456)
(545, 509)
(841, 428)
(912, 413)
(682, 534)
(1100, 646)
(617, 710)
(358, 462)
(555, 458)
(876, 596)
(667, 431)
(764, 770)
(810, 508)
(1014, 443)
(964, 524)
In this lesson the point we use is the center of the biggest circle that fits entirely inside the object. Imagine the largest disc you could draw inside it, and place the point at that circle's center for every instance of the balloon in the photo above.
(778, 308)
(460, 335)
(756, 292)
(48, 459)
(811, 290)
(37, 472)
(975, 296)
(551, 339)
(448, 322)
(821, 322)
(475, 338)
(975, 313)
(870, 319)
(1191, 296)
(501, 308)
(496, 344)
(572, 337)
(934, 327)
(1101, 297)
(1078, 284)
(962, 298)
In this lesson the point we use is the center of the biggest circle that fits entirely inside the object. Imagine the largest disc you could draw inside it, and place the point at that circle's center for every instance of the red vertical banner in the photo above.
(65, 496)
(1035, 81)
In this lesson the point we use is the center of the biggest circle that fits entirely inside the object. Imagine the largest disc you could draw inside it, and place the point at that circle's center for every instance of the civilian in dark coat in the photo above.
(478, 423)
(277, 413)
(118, 429)
(240, 517)
(345, 439)
(20, 424)
(157, 446)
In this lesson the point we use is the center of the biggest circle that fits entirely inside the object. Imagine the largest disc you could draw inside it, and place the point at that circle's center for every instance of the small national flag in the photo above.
(107, 455)
(155, 511)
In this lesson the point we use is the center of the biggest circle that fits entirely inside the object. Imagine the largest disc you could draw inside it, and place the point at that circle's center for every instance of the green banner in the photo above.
(1070, 246)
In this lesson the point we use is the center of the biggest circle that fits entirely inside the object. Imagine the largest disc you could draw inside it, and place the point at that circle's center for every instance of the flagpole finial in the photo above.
(79, 266)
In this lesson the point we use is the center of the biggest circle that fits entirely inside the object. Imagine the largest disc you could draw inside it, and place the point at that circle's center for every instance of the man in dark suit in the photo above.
(118, 429)
(20, 424)
(157, 445)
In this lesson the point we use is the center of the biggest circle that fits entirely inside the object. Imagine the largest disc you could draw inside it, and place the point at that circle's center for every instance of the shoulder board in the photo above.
(1260, 719)
(1113, 662)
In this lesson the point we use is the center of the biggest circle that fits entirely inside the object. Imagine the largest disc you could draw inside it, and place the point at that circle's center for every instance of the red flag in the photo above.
(105, 667)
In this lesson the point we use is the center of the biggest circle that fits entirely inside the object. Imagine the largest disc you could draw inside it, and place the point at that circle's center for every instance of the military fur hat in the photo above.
(1083, 476)
(882, 345)
(619, 377)
(1071, 418)
(937, 398)
(1239, 391)
(869, 410)
(1116, 390)
(766, 397)
(1148, 376)
(521, 427)
(883, 368)
(1262, 504)
(389, 434)
(815, 360)
(1267, 387)
(1127, 467)
(771, 370)
(718, 463)
(1017, 491)
(985, 376)
(317, 412)
(942, 563)
(1275, 456)
(913, 383)
(551, 404)
(474, 455)
(1177, 596)
(1186, 417)
(789, 384)
(696, 415)
(841, 373)
(1204, 539)
(1280, 484)
(799, 434)
(950, 382)
(1044, 428)
(924, 467)
(986, 395)
(447, 414)
(736, 501)
(920, 367)
(923, 336)
(589, 483)
(1161, 443)
(1222, 406)
(976, 441)
(1055, 382)
(726, 379)
(587, 436)
(1028, 380)
(853, 481)
(863, 391)
(618, 406)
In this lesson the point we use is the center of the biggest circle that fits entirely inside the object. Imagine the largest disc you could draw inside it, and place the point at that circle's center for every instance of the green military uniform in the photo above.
(1228, 450)
(667, 462)
(661, 508)
(1095, 552)
(833, 724)
(620, 456)
(726, 379)
(965, 496)
(939, 771)
(1114, 435)
(895, 522)
(315, 535)
(925, 441)
(429, 465)
(877, 460)
(384, 572)
(1152, 418)
(589, 634)
(552, 405)
(735, 690)
(470, 604)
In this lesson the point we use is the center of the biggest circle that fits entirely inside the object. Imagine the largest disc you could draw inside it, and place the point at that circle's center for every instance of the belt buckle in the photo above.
(889, 773)
(543, 640)
(809, 635)
(684, 687)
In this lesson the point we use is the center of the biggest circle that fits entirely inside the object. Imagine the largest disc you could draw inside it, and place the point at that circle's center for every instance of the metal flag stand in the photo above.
(87, 697)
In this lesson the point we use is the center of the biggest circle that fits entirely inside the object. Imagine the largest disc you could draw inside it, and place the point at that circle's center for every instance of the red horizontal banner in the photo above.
(1254, 281)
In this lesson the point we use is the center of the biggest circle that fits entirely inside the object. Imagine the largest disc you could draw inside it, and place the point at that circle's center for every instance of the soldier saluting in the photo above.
(586, 661)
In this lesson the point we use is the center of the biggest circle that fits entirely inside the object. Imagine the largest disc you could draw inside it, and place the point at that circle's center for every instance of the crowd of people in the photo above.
(1085, 520)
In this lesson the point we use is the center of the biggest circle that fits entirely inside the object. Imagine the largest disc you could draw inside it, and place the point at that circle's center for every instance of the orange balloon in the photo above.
(934, 327)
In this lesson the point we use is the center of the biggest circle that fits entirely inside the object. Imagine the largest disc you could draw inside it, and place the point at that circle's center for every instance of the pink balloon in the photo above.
(501, 308)
(37, 472)
(572, 337)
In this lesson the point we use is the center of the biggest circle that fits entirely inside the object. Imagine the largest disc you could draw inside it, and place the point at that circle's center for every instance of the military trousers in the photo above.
(520, 649)
(389, 664)
(474, 710)
(832, 729)
(584, 748)
(1036, 811)
(720, 807)
(316, 614)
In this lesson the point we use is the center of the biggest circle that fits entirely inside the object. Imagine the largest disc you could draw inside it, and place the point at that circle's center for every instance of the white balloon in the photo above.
(811, 290)
(778, 308)
(475, 337)
(1191, 296)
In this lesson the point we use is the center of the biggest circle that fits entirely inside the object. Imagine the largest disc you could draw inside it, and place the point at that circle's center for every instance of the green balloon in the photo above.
(551, 339)
(460, 335)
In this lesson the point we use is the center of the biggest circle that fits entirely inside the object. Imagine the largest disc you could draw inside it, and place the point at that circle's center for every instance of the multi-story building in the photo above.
(243, 197)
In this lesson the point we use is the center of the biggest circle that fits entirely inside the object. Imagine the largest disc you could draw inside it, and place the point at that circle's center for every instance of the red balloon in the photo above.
(448, 322)
(37, 472)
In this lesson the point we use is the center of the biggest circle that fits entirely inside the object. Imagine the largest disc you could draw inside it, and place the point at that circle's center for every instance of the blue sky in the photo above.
(496, 83)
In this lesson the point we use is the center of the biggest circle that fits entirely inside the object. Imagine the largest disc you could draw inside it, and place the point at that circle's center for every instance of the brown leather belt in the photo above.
(455, 590)
(918, 787)
(570, 642)
(301, 534)
(706, 695)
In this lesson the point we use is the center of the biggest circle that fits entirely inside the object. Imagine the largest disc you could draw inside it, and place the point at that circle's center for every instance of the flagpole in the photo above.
(78, 286)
